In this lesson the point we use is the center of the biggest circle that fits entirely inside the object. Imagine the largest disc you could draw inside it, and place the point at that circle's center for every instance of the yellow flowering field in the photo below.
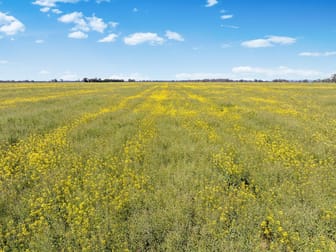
(167, 167)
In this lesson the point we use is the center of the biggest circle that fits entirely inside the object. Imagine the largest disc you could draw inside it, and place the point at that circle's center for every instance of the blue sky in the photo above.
(167, 39)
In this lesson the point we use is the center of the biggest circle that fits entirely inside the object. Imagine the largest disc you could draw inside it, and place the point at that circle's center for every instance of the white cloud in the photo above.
(211, 3)
(143, 37)
(226, 17)
(109, 39)
(82, 23)
(45, 9)
(77, 35)
(52, 3)
(74, 17)
(39, 41)
(97, 24)
(279, 72)
(9, 25)
(257, 43)
(248, 69)
(56, 11)
(113, 24)
(46, 3)
(318, 54)
(135, 10)
(174, 36)
(281, 40)
(269, 41)
(3, 62)
(251, 73)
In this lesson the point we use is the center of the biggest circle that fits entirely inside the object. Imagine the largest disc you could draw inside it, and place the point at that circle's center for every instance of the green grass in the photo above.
(168, 167)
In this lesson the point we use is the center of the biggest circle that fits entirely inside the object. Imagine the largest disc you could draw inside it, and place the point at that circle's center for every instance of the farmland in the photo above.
(167, 167)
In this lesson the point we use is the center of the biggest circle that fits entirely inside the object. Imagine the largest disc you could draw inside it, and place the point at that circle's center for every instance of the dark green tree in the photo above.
(333, 78)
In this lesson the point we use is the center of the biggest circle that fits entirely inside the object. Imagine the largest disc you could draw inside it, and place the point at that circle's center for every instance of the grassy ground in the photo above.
(167, 167)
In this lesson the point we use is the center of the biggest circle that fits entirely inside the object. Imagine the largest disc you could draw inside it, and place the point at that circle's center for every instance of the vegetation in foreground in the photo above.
(167, 167)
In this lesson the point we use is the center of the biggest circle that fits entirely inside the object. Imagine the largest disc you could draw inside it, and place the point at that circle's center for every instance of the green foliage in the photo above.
(167, 167)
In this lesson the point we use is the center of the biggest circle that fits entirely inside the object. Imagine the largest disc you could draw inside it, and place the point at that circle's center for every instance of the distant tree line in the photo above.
(101, 80)
(19, 81)
(332, 79)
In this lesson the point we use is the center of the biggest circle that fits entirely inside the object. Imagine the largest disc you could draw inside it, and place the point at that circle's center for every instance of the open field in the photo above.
(167, 167)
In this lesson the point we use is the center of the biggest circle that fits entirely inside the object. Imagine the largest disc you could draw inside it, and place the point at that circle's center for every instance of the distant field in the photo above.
(167, 167)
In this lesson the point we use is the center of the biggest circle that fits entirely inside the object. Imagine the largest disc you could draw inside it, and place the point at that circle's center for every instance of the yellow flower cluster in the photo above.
(219, 206)
(274, 235)
(16, 100)
(71, 198)
(134, 152)
(226, 164)
(186, 166)
(263, 100)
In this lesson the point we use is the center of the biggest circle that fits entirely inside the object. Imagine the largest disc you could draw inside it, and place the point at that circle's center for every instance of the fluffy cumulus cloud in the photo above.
(279, 72)
(56, 11)
(109, 38)
(9, 25)
(78, 35)
(47, 9)
(83, 24)
(76, 18)
(211, 3)
(257, 43)
(269, 41)
(174, 36)
(143, 37)
(318, 54)
(52, 3)
(48, 5)
(96, 24)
